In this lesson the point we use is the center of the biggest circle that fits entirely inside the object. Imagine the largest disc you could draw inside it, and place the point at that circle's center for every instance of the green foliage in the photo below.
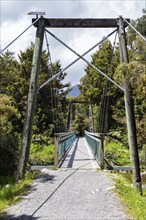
(97, 90)
(41, 154)
(109, 100)
(116, 154)
(136, 204)
(8, 138)
(79, 125)
(10, 191)
(8, 73)
(135, 73)
(92, 83)
(78, 115)
(143, 157)
(51, 101)
(52, 104)
(137, 67)
(8, 154)
(7, 112)
(140, 25)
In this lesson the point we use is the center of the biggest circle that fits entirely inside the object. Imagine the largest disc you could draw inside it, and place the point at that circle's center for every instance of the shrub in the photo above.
(117, 154)
(41, 154)
(8, 154)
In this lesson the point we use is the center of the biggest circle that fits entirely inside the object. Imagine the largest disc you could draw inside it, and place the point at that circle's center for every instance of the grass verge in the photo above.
(135, 203)
(10, 191)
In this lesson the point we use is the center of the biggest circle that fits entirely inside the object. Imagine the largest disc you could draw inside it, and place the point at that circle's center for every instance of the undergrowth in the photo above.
(135, 203)
(116, 153)
(41, 154)
(10, 191)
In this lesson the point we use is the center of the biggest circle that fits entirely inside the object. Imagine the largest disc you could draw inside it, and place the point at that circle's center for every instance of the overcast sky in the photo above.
(14, 20)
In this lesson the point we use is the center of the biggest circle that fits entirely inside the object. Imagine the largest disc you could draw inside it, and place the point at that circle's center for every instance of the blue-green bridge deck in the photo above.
(80, 156)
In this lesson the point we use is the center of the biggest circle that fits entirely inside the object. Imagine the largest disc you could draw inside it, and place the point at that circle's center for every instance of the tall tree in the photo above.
(14, 82)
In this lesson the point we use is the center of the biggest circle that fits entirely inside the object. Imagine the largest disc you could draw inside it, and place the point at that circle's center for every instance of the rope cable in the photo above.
(93, 47)
(18, 36)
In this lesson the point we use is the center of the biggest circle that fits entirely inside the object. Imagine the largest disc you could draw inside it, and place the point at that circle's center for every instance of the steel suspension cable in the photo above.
(49, 54)
(93, 47)
(90, 64)
(54, 96)
(103, 115)
(18, 36)
(135, 29)
(51, 84)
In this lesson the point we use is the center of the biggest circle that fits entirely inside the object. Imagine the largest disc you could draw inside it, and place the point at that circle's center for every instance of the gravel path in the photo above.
(70, 195)
(75, 192)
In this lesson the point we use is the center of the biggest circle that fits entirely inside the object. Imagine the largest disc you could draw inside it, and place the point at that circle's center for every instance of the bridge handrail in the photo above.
(95, 142)
(63, 142)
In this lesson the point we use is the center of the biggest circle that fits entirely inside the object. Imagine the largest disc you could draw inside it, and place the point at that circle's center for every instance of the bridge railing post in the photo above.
(101, 136)
(56, 160)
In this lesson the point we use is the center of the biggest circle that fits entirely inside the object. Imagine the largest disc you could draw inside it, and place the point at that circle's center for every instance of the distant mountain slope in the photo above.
(74, 92)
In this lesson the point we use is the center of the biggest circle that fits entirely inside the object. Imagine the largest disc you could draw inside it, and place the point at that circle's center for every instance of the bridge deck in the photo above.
(80, 156)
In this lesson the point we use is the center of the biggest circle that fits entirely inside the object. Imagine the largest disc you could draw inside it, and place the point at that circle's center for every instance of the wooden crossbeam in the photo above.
(81, 22)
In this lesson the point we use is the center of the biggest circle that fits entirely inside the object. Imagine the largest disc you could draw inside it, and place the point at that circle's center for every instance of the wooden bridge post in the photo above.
(31, 102)
(130, 116)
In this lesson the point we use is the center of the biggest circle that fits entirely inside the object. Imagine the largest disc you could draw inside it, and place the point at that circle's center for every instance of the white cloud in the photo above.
(12, 30)
(14, 20)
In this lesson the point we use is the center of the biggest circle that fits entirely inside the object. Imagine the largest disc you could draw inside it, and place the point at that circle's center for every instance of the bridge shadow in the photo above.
(84, 153)
(21, 217)
(45, 177)
(70, 164)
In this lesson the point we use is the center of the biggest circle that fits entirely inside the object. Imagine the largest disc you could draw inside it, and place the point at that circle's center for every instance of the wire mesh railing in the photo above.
(95, 142)
(63, 142)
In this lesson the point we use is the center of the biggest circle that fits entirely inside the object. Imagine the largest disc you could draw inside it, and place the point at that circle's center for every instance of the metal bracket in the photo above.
(37, 13)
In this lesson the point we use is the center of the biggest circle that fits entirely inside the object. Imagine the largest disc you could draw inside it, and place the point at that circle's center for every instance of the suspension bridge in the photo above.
(84, 152)
(72, 152)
